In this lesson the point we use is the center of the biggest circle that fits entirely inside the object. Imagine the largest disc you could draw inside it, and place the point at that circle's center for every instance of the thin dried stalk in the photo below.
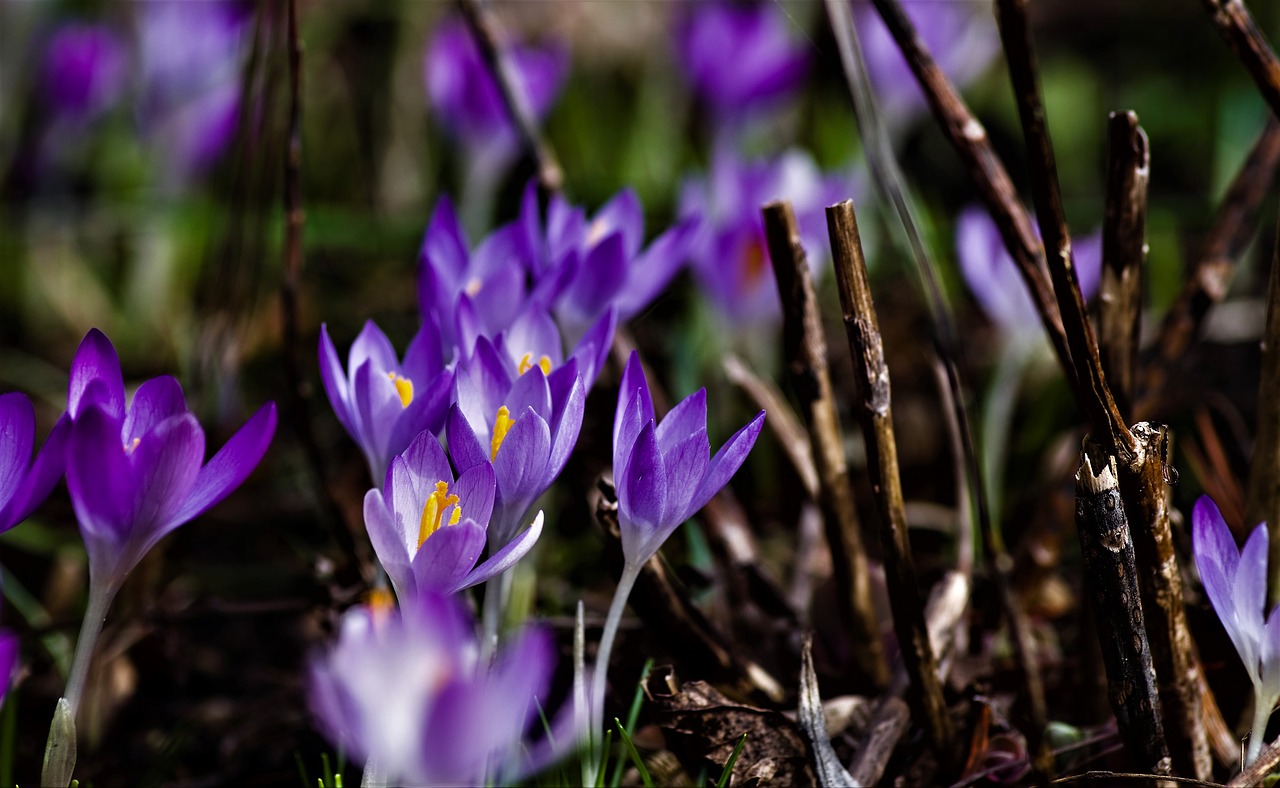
(488, 40)
(1264, 472)
(782, 421)
(1124, 247)
(1112, 578)
(806, 353)
(1096, 400)
(1215, 264)
(1236, 25)
(866, 347)
(1144, 485)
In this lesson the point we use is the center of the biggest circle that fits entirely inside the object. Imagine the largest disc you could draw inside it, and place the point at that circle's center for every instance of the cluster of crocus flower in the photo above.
(135, 472)
(1235, 581)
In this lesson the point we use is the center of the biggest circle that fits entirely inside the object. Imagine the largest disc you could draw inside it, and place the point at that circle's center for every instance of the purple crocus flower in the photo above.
(535, 339)
(382, 403)
(993, 277)
(962, 37)
(663, 471)
(466, 98)
(1236, 583)
(25, 484)
(730, 257)
(429, 529)
(408, 692)
(523, 421)
(85, 68)
(136, 473)
(740, 57)
(191, 54)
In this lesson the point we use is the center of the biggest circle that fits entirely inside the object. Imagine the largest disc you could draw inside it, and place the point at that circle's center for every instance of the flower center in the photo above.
(129, 447)
(433, 511)
(501, 425)
(527, 363)
(404, 387)
(473, 286)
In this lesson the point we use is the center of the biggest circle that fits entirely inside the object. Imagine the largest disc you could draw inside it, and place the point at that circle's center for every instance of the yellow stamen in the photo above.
(474, 286)
(526, 364)
(437, 502)
(404, 387)
(501, 424)
(129, 447)
(380, 600)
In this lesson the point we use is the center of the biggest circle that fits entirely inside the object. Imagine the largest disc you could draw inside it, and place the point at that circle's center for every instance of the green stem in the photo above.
(1261, 715)
(600, 678)
(60, 750)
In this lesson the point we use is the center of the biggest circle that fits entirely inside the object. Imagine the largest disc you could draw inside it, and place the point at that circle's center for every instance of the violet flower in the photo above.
(1236, 583)
(534, 339)
(663, 474)
(961, 37)
(993, 277)
(740, 57)
(382, 403)
(408, 693)
(429, 529)
(25, 484)
(730, 257)
(84, 72)
(523, 421)
(135, 474)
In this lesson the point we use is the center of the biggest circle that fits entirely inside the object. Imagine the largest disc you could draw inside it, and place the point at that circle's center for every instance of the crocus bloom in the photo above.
(466, 98)
(995, 281)
(136, 473)
(85, 68)
(740, 57)
(730, 257)
(25, 484)
(523, 421)
(382, 403)
(961, 37)
(409, 694)
(1236, 584)
(429, 529)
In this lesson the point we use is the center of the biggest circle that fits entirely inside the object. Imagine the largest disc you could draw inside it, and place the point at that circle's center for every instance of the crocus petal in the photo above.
(40, 479)
(156, 400)
(424, 414)
(726, 462)
(686, 418)
(413, 476)
(372, 345)
(166, 463)
(1217, 561)
(592, 351)
(17, 436)
(568, 417)
(336, 386)
(601, 278)
(464, 445)
(624, 215)
(530, 391)
(653, 270)
(633, 384)
(377, 407)
(475, 489)
(423, 360)
(99, 478)
(446, 557)
(505, 558)
(230, 466)
(688, 459)
(521, 462)
(389, 542)
(96, 359)
(642, 496)
(535, 333)
(1249, 590)
(444, 246)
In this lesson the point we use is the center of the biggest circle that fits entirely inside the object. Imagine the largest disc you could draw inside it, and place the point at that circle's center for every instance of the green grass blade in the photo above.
(635, 754)
(302, 770)
(604, 758)
(632, 715)
(727, 774)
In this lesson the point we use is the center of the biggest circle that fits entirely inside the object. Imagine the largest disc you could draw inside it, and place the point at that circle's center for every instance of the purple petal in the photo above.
(464, 445)
(567, 422)
(372, 345)
(413, 475)
(534, 333)
(446, 557)
(378, 407)
(40, 478)
(336, 387)
(726, 462)
(482, 386)
(642, 490)
(1249, 590)
(96, 359)
(592, 351)
(601, 278)
(423, 360)
(521, 463)
(444, 247)
(685, 419)
(231, 465)
(505, 558)
(390, 543)
(166, 463)
(475, 489)
(530, 390)
(623, 214)
(155, 401)
(99, 477)
(652, 271)
(688, 459)
(425, 413)
(633, 385)
(17, 436)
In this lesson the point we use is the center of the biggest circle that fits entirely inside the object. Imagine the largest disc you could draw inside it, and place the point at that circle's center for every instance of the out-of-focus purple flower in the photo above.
(586, 266)
(85, 68)
(523, 421)
(993, 277)
(740, 57)
(382, 403)
(535, 339)
(191, 53)
(664, 472)
(25, 484)
(466, 98)
(962, 37)
(730, 258)
(429, 529)
(1236, 583)
(409, 694)
(136, 473)
(466, 294)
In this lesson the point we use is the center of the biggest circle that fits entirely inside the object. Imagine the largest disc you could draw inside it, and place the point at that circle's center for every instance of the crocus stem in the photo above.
(373, 776)
(60, 750)
(496, 592)
(598, 681)
(1261, 715)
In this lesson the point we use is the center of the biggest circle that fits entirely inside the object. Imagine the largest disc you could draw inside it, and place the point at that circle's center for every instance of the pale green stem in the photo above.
(60, 750)
(1261, 715)
(373, 776)
(497, 590)
(600, 678)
